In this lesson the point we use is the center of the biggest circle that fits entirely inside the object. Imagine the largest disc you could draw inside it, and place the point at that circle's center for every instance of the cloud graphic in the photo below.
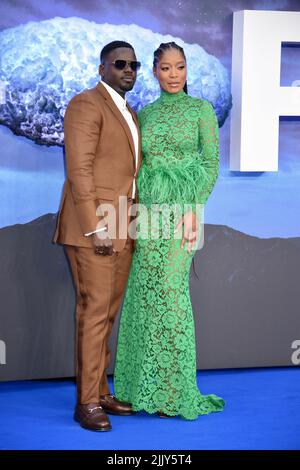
(44, 64)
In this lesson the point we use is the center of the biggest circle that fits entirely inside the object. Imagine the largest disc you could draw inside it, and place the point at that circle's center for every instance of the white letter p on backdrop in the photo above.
(258, 98)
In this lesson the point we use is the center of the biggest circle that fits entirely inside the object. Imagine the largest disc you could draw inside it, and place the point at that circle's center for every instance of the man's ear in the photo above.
(154, 72)
(101, 70)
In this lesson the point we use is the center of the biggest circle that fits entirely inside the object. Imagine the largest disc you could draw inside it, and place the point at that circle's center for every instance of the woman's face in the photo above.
(170, 71)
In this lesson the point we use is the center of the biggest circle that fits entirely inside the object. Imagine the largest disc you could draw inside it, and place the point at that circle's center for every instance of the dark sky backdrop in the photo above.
(207, 22)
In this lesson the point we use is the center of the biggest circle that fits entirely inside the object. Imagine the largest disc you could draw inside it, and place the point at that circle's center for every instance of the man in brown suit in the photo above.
(103, 156)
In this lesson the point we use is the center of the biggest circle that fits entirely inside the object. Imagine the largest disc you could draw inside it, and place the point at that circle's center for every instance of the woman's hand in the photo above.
(190, 230)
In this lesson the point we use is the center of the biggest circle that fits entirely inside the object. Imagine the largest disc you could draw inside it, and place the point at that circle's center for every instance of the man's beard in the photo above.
(127, 87)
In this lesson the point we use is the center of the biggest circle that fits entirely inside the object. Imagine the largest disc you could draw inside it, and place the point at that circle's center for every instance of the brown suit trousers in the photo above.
(95, 314)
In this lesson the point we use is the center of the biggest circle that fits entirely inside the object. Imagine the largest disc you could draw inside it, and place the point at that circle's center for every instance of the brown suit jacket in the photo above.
(100, 166)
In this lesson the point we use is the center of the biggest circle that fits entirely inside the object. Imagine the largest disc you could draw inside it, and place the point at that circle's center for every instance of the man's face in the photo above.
(120, 80)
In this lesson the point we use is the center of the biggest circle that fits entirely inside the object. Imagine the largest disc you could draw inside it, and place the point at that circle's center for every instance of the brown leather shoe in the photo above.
(114, 406)
(92, 416)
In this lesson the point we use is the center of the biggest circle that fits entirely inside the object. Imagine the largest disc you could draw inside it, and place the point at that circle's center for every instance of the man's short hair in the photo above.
(111, 46)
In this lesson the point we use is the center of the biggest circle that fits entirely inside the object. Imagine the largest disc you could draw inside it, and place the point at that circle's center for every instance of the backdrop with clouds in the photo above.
(260, 204)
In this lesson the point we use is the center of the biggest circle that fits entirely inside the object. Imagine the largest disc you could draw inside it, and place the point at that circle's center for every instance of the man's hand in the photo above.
(103, 244)
(190, 230)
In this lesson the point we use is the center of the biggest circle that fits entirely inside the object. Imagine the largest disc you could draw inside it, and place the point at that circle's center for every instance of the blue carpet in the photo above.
(262, 412)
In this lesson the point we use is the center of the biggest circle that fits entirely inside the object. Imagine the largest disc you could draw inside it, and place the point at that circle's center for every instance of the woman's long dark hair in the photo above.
(165, 46)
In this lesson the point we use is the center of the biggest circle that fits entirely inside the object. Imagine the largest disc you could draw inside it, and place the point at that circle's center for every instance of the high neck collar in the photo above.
(167, 97)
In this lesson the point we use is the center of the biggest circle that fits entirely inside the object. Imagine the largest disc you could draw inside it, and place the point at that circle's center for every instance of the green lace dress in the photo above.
(156, 356)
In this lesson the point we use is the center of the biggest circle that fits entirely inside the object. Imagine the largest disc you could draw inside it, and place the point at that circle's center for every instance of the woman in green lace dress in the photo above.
(156, 356)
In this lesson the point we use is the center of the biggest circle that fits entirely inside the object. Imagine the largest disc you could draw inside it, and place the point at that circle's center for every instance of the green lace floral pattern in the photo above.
(156, 355)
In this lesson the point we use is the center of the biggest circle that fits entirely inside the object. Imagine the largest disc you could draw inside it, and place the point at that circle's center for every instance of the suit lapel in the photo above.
(110, 102)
